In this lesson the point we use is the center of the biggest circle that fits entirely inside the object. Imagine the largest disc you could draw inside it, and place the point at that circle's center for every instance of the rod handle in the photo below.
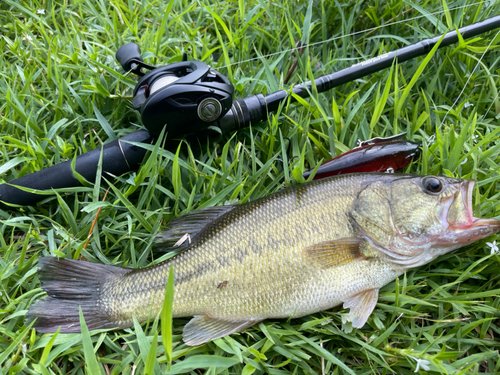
(118, 157)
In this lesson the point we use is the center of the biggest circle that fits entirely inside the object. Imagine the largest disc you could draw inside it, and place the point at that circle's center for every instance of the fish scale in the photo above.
(242, 228)
(293, 253)
(275, 294)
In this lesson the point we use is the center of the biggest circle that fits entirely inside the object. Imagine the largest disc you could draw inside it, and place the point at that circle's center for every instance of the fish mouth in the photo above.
(462, 226)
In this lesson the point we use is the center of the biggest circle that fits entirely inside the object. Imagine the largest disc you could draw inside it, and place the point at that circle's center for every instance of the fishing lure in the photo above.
(391, 154)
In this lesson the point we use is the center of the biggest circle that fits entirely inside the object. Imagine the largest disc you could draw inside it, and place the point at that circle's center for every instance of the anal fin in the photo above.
(334, 253)
(203, 328)
(361, 306)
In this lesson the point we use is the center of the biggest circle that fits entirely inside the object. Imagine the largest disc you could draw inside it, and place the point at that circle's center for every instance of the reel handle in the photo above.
(129, 57)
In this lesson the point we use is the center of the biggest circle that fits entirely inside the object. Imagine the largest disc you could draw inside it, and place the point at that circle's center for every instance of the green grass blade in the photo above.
(151, 361)
(202, 362)
(380, 105)
(48, 348)
(166, 315)
(131, 207)
(15, 343)
(104, 124)
(91, 364)
(327, 355)
(416, 76)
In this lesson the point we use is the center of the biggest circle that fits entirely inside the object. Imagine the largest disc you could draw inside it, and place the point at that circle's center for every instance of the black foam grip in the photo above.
(118, 157)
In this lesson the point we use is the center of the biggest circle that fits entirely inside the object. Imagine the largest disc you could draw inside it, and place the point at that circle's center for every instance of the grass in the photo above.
(63, 94)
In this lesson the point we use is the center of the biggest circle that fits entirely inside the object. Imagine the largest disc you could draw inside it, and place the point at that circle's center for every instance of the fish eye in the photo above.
(433, 185)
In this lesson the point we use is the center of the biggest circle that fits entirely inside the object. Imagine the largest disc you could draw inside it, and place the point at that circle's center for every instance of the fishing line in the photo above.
(348, 35)
(493, 101)
(491, 105)
(431, 138)
(468, 79)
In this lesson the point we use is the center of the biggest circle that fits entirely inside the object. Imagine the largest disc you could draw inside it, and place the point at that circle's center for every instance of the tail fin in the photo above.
(71, 284)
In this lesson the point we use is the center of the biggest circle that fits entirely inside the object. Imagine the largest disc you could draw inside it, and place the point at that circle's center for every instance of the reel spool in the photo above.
(185, 97)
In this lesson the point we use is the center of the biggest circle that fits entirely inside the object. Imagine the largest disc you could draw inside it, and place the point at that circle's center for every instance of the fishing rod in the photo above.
(191, 99)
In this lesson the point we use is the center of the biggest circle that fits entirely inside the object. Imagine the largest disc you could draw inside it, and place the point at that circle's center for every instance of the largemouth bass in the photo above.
(296, 252)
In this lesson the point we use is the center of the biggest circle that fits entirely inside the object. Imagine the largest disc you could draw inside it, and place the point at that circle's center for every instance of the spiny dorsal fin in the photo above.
(334, 253)
(361, 306)
(203, 328)
(191, 223)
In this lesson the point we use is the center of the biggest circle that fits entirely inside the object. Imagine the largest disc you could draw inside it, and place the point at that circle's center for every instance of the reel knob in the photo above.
(209, 109)
(129, 57)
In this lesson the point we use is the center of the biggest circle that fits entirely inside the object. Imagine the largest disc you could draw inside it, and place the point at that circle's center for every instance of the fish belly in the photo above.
(277, 291)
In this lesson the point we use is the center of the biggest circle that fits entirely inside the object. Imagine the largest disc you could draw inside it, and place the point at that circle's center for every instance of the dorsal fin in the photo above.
(175, 238)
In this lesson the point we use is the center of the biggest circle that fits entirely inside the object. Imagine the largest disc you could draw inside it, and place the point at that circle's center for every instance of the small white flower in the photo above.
(468, 104)
(40, 11)
(424, 363)
(493, 246)
(346, 323)
(475, 137)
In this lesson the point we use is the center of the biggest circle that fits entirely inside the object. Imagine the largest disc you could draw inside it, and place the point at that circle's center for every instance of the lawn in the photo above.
(63, 93)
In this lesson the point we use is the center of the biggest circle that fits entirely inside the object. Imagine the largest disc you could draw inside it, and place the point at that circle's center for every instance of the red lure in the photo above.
(374, 155)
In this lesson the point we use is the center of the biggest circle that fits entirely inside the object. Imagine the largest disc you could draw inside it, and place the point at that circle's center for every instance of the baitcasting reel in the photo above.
(186, 97)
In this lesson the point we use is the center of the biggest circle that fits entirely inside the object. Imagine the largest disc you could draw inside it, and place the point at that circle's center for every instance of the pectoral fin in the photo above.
(334, 253)
(203, 328)
(361, 305)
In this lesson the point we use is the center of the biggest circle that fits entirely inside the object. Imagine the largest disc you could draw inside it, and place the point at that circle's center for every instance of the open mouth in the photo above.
(457, 212)
(463, 226)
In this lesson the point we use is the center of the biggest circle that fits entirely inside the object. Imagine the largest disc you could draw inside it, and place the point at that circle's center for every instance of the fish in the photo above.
(301, 250)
